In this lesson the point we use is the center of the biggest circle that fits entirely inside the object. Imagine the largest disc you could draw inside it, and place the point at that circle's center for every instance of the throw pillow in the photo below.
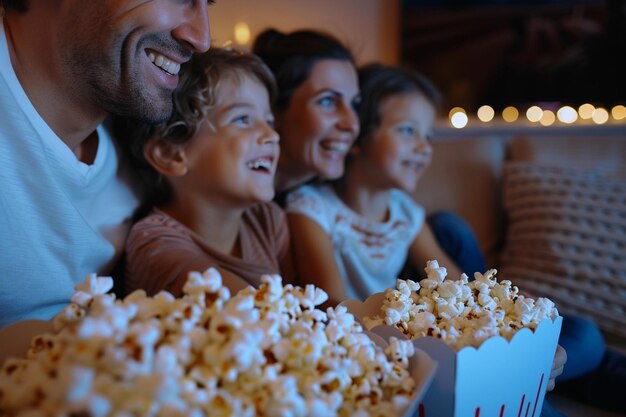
(566, 240)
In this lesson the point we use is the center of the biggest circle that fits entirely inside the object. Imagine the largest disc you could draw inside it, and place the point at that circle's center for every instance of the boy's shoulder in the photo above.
(264, 219)
(157, 221)
(266, 209)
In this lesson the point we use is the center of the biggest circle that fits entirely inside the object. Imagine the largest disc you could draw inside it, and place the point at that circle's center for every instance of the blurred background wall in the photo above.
(501, 53)
(369, 27)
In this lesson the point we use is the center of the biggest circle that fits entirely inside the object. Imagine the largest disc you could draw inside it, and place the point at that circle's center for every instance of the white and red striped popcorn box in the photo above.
(500, 378)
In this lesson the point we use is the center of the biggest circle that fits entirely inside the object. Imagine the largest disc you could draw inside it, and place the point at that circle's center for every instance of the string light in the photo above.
(534, 113)
(458, 117)
(618, 112)
(242, 33)
(547, 116)
(600, 116)
(485, 113)
(586, 111)
(510, 114)
(567, 114)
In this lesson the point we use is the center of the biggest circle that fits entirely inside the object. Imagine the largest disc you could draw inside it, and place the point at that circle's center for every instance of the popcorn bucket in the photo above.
(421, 366)
(264, 351)
(499, 379)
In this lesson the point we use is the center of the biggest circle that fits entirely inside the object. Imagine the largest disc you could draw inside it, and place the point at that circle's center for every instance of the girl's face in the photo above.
(232, 158)
(399, 150)
(320, 124)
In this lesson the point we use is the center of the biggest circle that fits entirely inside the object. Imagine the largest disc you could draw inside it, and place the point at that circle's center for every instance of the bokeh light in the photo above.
(534, 113)
(618, 112)
(459, 120)
(567, 114)
(586, 111)
(510, 114)
(547, 118)
(485, 113)
(242, 33)
(600, 116)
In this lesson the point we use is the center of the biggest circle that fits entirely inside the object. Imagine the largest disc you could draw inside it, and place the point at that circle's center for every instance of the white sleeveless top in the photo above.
(369, 254)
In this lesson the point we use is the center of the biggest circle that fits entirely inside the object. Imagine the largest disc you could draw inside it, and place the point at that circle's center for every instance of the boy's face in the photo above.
(320, 124)
(123, 56)
(399, 149)
(232, 158)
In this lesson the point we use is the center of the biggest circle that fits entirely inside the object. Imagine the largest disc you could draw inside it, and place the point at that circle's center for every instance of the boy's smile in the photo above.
(233, 156)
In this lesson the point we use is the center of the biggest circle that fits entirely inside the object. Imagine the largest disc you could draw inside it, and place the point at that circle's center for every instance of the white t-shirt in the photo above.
(369, 254)
(60, 218)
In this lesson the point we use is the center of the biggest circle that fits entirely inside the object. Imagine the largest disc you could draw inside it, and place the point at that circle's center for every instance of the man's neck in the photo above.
(34, 57)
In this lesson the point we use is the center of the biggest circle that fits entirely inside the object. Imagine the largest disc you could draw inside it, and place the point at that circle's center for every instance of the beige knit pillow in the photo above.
(566, 240)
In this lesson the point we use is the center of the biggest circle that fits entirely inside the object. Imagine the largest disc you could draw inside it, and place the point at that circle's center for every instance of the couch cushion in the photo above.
(566, 238)
(600, 153)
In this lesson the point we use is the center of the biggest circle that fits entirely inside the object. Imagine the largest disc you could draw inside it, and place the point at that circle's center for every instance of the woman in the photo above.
(314, 112)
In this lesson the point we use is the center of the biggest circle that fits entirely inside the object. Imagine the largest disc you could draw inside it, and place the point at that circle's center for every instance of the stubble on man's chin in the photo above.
(140, 107)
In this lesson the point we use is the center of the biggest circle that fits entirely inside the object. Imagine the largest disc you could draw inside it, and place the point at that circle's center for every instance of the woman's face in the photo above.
(319, 125)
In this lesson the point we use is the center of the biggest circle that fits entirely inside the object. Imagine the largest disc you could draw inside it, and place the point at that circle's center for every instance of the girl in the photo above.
(211, 169)
(354, 235)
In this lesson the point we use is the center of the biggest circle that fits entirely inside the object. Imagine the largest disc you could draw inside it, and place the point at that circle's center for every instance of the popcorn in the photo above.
(91, 287)
(266, 351)
(459, 312)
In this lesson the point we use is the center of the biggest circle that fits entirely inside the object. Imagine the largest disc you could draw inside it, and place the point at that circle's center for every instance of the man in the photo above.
(66, 197)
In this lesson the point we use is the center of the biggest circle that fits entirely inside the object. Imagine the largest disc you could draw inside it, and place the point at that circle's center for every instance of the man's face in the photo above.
(123, 56)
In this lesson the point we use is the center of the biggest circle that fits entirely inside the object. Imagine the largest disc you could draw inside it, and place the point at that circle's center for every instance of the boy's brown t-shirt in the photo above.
(161, 251)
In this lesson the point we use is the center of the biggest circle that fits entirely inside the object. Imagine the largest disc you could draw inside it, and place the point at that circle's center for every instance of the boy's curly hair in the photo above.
(194, 97)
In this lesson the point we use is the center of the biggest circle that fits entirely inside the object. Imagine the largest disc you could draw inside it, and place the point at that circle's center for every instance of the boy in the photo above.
(211, 172)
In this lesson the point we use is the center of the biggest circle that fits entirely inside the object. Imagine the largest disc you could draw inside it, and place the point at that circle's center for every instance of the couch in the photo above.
(548, 206)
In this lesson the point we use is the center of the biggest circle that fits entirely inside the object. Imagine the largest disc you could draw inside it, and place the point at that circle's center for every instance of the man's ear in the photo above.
(167, 158)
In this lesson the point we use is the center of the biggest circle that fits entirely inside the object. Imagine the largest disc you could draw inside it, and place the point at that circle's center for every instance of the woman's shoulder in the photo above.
(318, 191)
(316, 201)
